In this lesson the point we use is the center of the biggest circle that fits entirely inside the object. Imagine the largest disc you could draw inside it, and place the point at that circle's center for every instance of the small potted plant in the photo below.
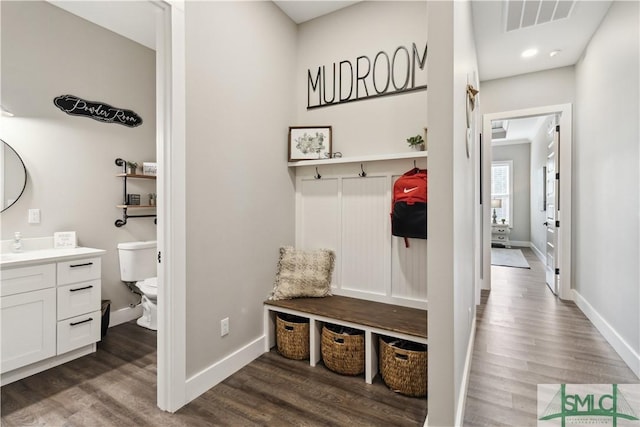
(132, 167)
(416, 142)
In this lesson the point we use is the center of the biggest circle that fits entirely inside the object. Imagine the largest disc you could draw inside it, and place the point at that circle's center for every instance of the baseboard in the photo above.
(538, 253)
(624, 350)
(519, 243)
(462, 396)
(219, 371)
(124, 315)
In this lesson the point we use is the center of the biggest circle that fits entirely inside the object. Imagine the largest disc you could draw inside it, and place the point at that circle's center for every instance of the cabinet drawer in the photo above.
(500, 230)
(78, 331)
(79, 270)
(27, 279)
(77, 299)
(28, 322)
(499, 237)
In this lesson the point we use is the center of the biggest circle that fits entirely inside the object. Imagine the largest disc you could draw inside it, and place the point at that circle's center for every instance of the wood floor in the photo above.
(526, 336)
(116, 386)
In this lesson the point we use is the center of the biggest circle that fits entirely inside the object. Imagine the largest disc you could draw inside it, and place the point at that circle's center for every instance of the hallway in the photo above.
(525, 336)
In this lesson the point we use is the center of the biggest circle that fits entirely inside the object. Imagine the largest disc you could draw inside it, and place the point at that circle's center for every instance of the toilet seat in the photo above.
(149, 287)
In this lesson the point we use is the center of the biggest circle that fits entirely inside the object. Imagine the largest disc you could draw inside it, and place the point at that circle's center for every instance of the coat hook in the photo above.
(363, 173)
(317, 175)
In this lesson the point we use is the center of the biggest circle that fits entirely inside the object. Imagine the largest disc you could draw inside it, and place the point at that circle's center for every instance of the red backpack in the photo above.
(409, 206)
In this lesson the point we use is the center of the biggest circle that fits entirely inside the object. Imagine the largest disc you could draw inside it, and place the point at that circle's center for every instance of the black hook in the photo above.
(363, 173)
(317, 175)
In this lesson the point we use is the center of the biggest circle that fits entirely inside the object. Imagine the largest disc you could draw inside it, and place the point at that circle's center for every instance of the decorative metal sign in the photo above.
(99, 111)
(365, 79)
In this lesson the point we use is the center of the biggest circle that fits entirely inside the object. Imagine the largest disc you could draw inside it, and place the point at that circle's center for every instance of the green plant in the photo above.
(415, 140)
(132, 165)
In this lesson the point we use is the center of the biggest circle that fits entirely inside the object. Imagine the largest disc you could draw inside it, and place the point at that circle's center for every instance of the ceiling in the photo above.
(503, 29)
(302, 11)
(517, 131)
(548, 25)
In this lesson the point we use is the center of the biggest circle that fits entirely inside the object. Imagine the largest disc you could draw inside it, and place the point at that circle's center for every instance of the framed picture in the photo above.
(309, 142)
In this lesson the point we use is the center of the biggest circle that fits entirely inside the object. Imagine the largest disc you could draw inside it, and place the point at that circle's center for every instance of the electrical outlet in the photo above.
(224, 327)
(34, 216)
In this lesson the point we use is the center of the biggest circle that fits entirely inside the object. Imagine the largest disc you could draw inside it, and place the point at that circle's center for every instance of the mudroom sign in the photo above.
(363, 78)
(99, 111)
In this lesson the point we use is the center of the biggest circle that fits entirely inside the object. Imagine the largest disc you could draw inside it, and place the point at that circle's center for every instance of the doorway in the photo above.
(562, 250)
(162, 22)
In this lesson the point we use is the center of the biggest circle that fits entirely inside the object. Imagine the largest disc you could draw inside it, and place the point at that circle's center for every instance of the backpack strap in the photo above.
(406, 242)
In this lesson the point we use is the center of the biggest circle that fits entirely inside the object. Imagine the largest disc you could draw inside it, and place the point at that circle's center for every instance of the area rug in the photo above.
(508, 258)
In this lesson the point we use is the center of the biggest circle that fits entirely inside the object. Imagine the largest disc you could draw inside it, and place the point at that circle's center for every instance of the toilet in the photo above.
(138, 266)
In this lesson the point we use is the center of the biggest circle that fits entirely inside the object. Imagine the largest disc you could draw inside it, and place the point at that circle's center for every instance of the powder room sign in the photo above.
(388, 73)
(99, 111)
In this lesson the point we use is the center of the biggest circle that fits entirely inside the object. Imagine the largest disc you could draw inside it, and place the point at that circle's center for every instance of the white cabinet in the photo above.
(49, 312)
(28, 328)
(500, 235)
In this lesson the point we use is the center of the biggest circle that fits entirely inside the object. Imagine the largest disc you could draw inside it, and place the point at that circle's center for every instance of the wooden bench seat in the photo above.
(374, 318)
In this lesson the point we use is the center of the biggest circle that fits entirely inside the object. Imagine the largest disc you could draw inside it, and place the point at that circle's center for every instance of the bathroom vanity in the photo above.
(50, 308)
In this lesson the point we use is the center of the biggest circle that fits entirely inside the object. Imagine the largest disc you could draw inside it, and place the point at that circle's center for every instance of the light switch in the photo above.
(34, 216)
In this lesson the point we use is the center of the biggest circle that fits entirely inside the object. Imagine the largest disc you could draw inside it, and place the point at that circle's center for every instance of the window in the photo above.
(502, 189)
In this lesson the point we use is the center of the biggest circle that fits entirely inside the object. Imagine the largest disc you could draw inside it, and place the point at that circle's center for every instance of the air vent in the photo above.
(527, 13)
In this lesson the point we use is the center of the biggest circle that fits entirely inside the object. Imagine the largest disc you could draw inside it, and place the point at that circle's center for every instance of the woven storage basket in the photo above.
(292, 336)
(403, 366)
(343, 349)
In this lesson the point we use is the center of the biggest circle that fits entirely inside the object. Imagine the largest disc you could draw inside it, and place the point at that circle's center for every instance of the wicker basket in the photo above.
(343, 349)
(292, 336)
(403, 366)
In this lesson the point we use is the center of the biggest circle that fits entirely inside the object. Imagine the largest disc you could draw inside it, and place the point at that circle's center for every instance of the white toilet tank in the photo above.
(137, 260)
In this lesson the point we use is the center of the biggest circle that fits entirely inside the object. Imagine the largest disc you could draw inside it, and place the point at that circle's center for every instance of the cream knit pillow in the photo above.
(303, 273)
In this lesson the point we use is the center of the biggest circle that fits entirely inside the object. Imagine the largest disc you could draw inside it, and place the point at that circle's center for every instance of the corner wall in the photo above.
(450, 276)
(606, 181)
(240, 62)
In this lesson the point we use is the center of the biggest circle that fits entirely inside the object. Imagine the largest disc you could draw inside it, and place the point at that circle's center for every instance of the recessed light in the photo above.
(529, 53)
(554, 53)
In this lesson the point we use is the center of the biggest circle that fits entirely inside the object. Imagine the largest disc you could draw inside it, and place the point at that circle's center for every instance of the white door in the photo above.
(552, 193)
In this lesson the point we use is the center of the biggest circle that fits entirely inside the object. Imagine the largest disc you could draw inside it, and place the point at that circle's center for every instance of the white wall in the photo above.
(373, 126)
(451, 64)
(520, 155)
(606, 198)
(47, 52)
(240, 64)
(551, 87)
(355, 223)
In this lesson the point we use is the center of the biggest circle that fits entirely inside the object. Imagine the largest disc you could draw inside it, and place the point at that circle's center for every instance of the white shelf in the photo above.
(360, 159)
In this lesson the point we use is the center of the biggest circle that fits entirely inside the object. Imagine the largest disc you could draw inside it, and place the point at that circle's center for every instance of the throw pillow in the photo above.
(303, 273)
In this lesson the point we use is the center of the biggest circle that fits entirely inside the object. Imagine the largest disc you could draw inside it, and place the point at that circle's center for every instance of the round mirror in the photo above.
(13, 176)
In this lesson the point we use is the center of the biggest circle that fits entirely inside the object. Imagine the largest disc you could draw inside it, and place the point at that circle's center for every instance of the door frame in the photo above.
(171, 189)
(564, 215)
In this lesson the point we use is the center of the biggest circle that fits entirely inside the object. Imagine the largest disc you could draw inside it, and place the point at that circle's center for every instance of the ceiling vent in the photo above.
(527, 13)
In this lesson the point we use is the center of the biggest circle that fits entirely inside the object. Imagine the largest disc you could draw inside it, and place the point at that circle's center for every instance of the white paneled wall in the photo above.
(350, 214)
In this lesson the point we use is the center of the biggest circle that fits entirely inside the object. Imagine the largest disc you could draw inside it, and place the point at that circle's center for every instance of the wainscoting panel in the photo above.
(318, 224)
(350, 214)
(409, 269)
(365, 231)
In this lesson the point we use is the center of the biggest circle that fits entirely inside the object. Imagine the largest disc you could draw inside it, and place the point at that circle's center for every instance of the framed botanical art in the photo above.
(309, 142)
